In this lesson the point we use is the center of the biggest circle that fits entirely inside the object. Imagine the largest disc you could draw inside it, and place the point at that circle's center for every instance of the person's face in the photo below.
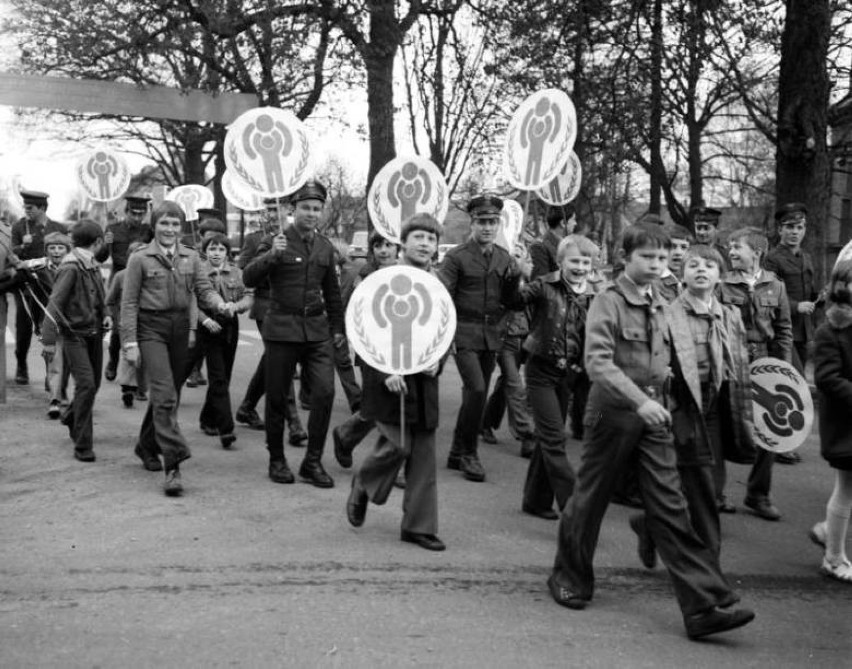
(576, 268)
(700, 275)
(167, 230)
(217, 254)
(646, 264)
(705, 233)
(135, 216)
(742, 256)
(677, 253)
(570, 225)
(419, 247)
(34, 212)
(791, 234)
(307, 215)
(484, 228)
(385, 253)
(56, 252)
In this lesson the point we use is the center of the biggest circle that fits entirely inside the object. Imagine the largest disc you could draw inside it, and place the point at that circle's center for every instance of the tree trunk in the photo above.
(656, 109)
(802, 165)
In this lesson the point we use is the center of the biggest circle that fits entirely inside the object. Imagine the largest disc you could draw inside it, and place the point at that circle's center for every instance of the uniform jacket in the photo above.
(669, 287)
(765, 311)
(481, 291)
(627, 346)
(152, 283)
(78, 300)
(261, 292)
(228, 282)
(543, 255)
(305, 303)
(797, 273)
(734, 400)
(833, 378)
(558, 326)
(35, 249)
(123, 235)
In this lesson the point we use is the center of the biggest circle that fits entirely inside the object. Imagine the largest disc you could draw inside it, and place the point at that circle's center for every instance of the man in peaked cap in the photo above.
(28, 244)
(482, 278)
(303, 324)
(706, 225)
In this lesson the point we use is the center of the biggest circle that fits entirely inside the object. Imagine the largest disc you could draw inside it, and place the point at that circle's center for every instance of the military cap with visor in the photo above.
(485, 206)
(137, 203)
(34, 197)
(792, 212)
(706, 214)
(312, 190)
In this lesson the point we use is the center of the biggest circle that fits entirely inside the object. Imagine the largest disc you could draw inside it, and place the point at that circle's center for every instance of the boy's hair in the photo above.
(641, 236)
(706, 252)
(753, 237)
(375, 239)
(577, 245)
(557, 215)
(425, 222)
(679, 232)
(167, 208)
(218, 238)
(838, 288)
(212, 225)
(58, 239)
(86, 232)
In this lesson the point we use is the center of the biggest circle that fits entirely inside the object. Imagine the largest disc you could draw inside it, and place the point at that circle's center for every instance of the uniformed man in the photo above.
(28, 243)
(481, 277)
(560, 222)
(303, 323)
(706, 225)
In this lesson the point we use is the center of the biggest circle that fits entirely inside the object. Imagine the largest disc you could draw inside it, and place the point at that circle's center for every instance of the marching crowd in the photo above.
(649, 367)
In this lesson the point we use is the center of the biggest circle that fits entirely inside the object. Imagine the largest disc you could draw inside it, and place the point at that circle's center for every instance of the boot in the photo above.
(313, 472)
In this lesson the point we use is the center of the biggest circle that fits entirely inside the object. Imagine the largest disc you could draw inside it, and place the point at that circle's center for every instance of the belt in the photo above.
(298, 311)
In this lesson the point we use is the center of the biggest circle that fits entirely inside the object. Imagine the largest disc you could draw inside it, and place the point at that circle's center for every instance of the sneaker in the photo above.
(54, 411)
(841, 570)
(817, 534)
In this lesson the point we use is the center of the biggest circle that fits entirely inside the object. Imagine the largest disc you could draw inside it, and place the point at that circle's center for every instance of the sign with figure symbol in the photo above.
(103, 175)
(782, 404)
(407, 185)
(191, 198)
(511, 223)
(539, 139)
(239, 194)
(565, 186)
(401, 320)
(268, 149)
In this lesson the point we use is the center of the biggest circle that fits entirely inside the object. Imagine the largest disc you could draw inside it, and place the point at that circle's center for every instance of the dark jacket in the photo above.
(305, 303)
(797, 273)
(35, 249)
(481, 291)
(380, 404)
(543, 255)
(833, 377)
(248, 252)
(78, 301)
(123, 235)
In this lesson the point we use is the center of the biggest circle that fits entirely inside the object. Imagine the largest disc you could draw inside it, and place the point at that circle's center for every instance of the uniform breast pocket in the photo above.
(155, 277)
(634, 335)
(768, 301)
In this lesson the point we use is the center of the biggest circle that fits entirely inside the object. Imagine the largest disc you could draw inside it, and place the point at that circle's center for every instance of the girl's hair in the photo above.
(838, 285)
(168, 208)
(706, 252)
(218, 238)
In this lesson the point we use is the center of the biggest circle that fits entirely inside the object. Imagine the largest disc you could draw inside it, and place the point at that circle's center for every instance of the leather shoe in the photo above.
(85, 456)
(22, 377)
(149, 462)
(53, 411)
(488, 436)
(428, 541)
(763, 508)
(298, 439)
(110, 372)
(314, 473)
(249, 417)
(645, 547)
(471, 468)
(127, 399)
(227, 440)
(356, 505)
(565, 597)
(342, 454)
(280, 472)
(545, 514)
(527, 447)
(173, 486)
(713, 621)
(454, 462)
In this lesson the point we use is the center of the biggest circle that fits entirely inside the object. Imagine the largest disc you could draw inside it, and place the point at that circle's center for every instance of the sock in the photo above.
(837, 513)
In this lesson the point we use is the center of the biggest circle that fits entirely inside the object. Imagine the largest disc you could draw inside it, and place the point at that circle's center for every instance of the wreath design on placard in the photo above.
(439, 336)
(381, 219)
(440, 202)
(241, 171)
(777, 369)
(510, 158)
(361, 333)
(303, 160)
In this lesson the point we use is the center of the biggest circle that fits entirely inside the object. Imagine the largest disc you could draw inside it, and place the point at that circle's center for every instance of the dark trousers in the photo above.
(317, 364)
(579, 398)
(24, 325)
(220, 351)
(509, 394)
(760, 476)
(615, 435)
(114, 347)
(354, 429)
(549, 473)
(83, 356)
(346, 373)
(800, 356)
(475, 369)
(164, 347)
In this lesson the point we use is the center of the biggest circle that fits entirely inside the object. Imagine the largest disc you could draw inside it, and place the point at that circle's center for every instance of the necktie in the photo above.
(720, 354)
(309, 243)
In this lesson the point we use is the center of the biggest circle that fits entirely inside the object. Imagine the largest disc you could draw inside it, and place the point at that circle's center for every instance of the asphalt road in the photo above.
(99, 569)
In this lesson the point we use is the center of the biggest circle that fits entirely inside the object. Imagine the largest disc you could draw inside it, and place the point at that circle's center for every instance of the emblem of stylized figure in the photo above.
(408, 188)
(540, 125)
(397, 304)
(188, 199)
(102, 166)
(271, 140)
(783, 409)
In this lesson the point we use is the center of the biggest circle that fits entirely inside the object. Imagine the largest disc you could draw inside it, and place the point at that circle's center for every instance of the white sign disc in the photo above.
(401, 320)
(268, 149)
(239, 194)
(407, 185)
(191, 197)
(782, 403)
(845, 254)
(566, 185)
(539, 139)
(103, 175)
(511, 223)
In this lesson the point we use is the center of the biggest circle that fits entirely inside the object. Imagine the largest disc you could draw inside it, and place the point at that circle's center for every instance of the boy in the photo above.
(669, 285)
(77, 309)
(627, 359)
(762, 300)
(56, 245)
(377, 475)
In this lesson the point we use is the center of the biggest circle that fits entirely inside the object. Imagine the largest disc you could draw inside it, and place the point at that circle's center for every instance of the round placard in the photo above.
(539, 139)
(240, 195)
(401, 320)
(407, 185)
(191, 197)
(268, 149)
(782, 404)
(566, 185)
(845, 254)
(511, 223)
(103, 175)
